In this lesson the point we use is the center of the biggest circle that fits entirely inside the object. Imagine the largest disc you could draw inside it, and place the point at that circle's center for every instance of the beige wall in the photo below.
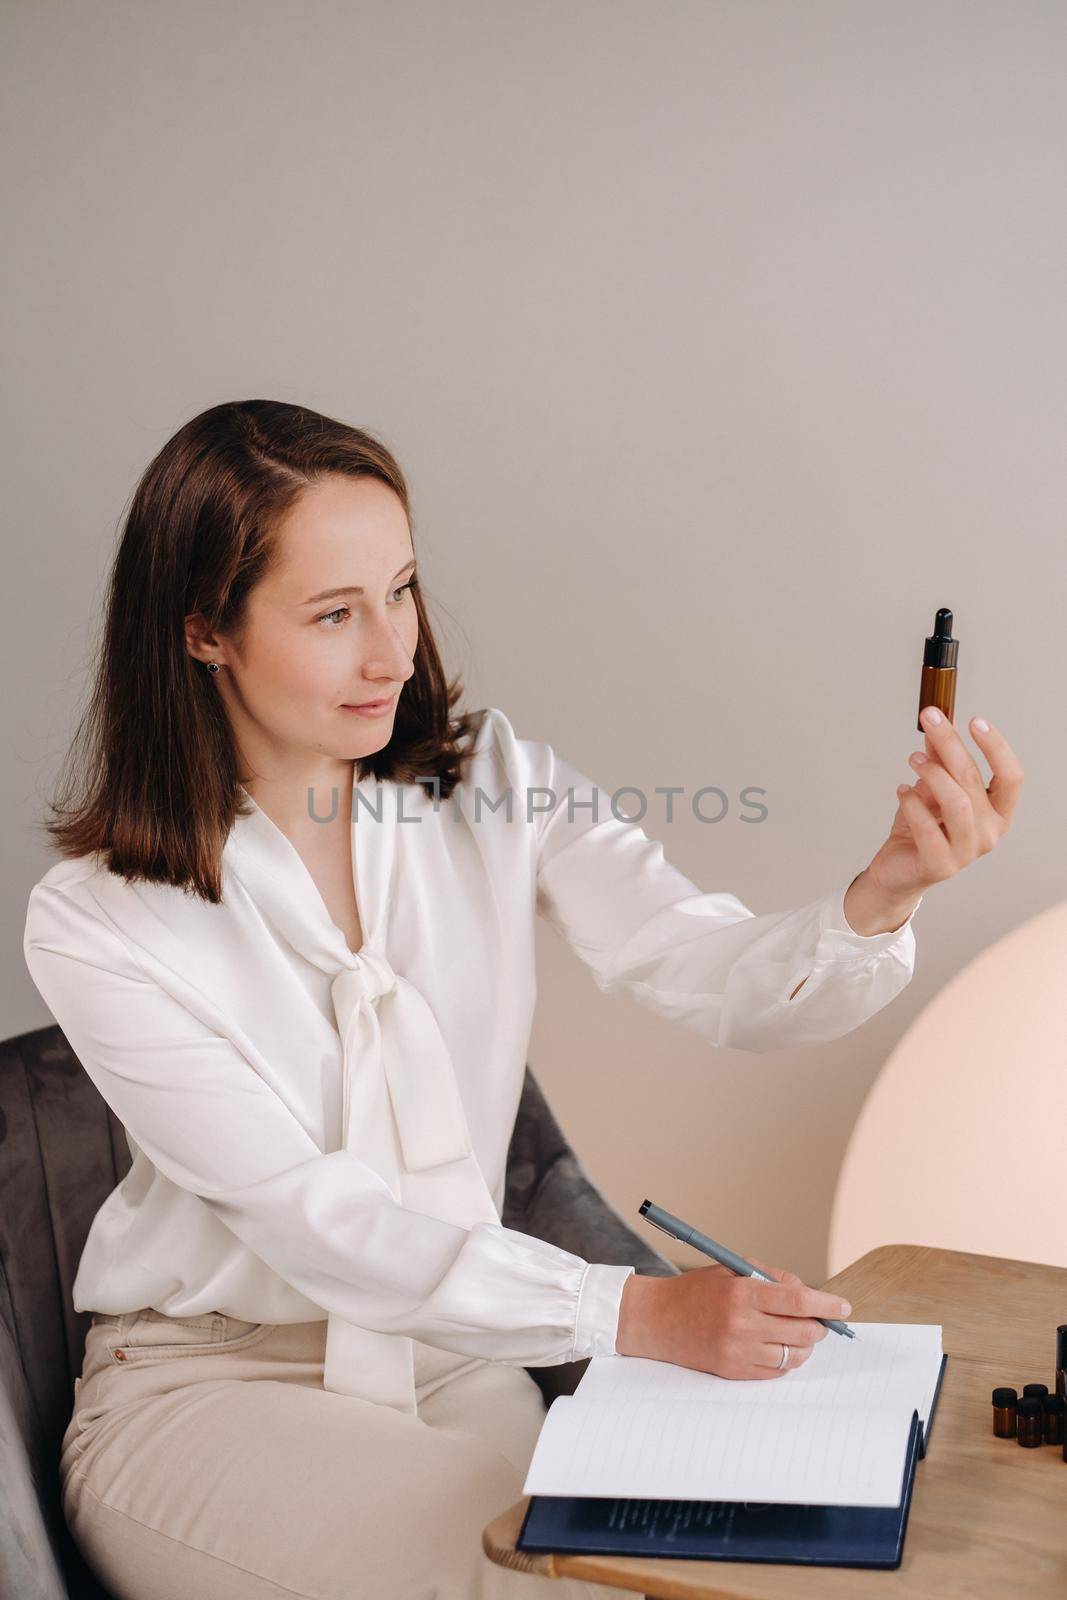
(722, 343)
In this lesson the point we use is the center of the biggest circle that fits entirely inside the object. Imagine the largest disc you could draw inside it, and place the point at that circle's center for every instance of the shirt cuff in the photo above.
(839, 941)
(599, 1299)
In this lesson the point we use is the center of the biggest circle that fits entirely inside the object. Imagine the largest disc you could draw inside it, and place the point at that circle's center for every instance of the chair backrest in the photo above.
(960, 1141)
(62, 1151)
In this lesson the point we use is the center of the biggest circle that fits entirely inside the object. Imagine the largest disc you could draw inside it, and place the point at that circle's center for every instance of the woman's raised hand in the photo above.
(950, 817)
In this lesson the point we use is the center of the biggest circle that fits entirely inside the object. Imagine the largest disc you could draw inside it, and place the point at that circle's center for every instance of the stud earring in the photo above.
(213, 666)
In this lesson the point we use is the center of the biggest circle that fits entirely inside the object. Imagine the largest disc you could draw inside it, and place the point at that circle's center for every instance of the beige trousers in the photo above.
(204, 1458)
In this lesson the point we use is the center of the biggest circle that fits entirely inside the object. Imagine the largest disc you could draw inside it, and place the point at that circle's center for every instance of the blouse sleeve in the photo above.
(326, 1223)
(701, 960)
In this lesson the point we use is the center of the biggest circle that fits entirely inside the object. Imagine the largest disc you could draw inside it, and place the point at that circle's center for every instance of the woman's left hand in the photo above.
(949, 818)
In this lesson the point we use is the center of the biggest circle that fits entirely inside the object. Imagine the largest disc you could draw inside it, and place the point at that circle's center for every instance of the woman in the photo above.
(291, 940)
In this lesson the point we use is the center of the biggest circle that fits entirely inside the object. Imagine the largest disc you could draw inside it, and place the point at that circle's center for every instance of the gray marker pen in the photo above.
(718, 1252)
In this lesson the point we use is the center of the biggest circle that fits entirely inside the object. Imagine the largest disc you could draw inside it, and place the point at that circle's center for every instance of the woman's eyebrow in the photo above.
(352, 588)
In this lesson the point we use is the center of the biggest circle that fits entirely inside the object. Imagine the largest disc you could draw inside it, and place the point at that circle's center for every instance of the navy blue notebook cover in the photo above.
(730, 1530)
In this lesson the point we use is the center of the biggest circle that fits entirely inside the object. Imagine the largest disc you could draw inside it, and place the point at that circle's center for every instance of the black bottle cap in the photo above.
(1061, 1345)
(1004, 1397)
(1039, 1390)
(941, 648)
(1052, 1402)
(1029, 1406)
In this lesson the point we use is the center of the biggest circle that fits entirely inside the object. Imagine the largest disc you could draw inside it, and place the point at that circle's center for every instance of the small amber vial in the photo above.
(1052, 1410)
(1028, 1421)
(1004, 1403)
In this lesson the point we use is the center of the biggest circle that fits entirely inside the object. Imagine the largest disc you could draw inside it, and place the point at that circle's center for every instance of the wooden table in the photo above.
(988, 1519)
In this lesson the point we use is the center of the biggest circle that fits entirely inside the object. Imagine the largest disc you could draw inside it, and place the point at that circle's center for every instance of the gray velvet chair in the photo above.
(62, 1151)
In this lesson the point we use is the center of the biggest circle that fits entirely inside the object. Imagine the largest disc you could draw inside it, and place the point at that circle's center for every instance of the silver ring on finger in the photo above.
(785, 1359)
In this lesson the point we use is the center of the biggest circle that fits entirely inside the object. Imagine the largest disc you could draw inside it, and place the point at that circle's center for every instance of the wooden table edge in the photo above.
(641, 1573)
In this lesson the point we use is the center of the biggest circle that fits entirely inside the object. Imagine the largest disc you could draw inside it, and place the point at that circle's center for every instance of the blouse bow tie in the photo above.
(402, 1114)
(401, 1110)
(389, 1033)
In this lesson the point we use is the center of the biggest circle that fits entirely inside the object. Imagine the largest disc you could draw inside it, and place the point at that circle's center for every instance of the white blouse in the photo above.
(321, 1134)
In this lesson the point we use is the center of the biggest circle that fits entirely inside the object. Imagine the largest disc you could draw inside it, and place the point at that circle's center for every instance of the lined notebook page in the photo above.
(691, 1451)
(888, 1363)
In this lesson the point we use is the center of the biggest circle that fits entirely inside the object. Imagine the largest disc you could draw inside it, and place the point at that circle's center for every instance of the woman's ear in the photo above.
(201, 643)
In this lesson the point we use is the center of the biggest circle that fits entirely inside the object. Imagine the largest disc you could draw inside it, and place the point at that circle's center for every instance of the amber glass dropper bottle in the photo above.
(938, 686)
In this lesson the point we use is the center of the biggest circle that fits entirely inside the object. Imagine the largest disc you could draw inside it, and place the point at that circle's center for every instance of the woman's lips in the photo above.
(375, 708)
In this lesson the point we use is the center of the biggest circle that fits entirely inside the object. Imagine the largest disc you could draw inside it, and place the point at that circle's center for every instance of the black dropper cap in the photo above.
(1004, 1397)
(1035, 1391)
(941, 648)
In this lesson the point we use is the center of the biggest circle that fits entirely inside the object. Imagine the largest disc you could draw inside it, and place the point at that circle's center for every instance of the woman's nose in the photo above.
(394, 660)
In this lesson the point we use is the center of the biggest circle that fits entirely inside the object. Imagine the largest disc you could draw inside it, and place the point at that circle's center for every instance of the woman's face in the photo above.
(311, 647)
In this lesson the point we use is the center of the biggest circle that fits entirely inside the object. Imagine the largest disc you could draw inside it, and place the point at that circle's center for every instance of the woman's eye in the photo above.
(326, 618)
(342, 611)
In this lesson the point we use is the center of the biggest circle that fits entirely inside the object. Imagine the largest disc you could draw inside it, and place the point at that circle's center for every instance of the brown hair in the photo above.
(153, 776)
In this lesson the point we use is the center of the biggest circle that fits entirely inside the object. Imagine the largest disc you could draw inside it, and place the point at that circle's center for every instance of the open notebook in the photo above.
(844, 1430)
